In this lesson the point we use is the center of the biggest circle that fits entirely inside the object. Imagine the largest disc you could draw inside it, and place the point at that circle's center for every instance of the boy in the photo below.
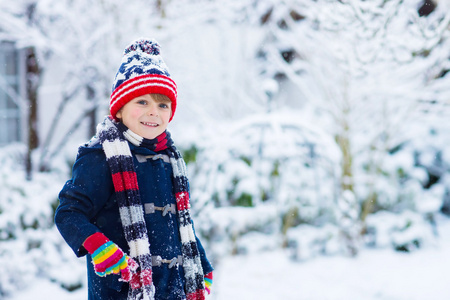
(127, 204)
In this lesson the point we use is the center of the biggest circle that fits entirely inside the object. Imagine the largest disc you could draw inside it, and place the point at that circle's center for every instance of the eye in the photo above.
(142, 101)
(163, 105)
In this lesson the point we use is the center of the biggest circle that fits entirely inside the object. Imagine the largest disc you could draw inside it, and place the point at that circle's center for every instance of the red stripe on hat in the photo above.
(142, 80)
(182, 200)
(141, 85)
(124, 181)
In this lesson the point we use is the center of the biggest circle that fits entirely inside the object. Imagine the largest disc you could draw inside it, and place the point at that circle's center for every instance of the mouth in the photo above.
(149, 124)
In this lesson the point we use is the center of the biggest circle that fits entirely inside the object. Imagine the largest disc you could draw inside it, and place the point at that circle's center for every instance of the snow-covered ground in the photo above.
(379, 274)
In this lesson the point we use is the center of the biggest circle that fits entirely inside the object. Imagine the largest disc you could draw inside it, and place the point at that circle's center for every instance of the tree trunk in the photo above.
(92, 115)
(374, 172)
(161, 7)
(348, 207)
(32, 84)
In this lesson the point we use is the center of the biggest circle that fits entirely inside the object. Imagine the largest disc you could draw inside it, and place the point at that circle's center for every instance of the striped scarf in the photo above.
(114, 137)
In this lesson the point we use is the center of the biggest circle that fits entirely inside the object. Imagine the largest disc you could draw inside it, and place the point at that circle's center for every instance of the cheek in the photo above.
(166, 115)
(166, 118)
(131, 116)
(135, 113)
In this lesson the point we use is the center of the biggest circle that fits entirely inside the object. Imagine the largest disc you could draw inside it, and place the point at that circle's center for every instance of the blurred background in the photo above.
(316, 134)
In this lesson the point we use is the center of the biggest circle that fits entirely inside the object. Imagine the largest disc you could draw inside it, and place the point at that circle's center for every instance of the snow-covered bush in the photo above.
(257, 242)
(406, 231)
(432, 154)
(30, 245)
(276, 160)
(223, 227)
(445, 208)
(306, 241)
(396, 183)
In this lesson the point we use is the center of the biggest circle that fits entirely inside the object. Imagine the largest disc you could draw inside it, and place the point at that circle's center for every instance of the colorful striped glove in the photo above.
(108, 258)
(208, 282)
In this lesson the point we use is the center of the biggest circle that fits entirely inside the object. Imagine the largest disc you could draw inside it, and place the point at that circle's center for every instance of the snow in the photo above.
(375, 274)
(43, 289)
(265, 134)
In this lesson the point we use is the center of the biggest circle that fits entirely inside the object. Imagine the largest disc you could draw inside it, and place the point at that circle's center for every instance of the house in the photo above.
(13, 108)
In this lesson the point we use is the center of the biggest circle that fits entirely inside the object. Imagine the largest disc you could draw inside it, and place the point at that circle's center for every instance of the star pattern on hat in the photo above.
(138, 64)
(142, 71)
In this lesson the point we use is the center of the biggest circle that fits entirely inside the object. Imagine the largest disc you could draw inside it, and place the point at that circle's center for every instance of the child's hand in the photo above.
(108, 258)
(208, 282)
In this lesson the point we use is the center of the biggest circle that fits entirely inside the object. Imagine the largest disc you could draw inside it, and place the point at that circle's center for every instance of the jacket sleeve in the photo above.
(206, 265)
(82, 197)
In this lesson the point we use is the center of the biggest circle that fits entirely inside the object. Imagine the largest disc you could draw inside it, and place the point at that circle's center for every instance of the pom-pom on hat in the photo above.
(142, 71)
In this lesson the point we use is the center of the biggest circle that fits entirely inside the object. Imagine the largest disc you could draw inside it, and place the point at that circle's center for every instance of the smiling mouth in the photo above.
(150, 124)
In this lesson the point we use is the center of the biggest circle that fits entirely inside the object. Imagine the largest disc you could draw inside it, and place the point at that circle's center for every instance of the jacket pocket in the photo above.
(113, 282)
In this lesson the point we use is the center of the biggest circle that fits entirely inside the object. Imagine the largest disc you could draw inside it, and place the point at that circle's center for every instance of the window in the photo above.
(10, 114)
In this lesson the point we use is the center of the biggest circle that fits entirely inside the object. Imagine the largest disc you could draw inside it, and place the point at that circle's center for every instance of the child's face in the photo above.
(145, 116)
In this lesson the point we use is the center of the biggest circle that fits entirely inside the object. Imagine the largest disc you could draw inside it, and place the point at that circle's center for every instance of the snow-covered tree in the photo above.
(291, 113)
(272, 162)
(363, 67)
(69, 47)
(86, 40)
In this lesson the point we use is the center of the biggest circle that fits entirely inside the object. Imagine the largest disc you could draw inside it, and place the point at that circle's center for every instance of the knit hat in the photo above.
(142, 71)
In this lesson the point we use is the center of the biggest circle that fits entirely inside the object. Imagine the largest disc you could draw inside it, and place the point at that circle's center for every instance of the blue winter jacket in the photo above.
(88, 205)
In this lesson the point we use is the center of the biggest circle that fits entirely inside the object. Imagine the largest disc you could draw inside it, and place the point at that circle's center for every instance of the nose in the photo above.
(152, 109)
